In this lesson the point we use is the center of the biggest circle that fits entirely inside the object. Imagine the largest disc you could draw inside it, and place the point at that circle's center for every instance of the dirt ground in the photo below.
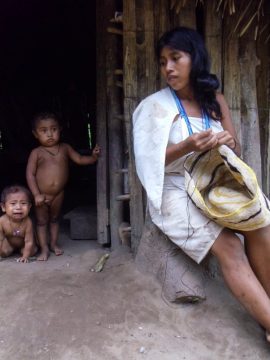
(60, 310)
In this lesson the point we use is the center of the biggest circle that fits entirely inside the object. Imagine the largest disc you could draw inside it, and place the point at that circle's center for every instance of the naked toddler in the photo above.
(16, 228)
(47, 174)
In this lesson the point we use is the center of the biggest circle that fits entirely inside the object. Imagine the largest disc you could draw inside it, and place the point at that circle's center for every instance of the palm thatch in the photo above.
(247, 15)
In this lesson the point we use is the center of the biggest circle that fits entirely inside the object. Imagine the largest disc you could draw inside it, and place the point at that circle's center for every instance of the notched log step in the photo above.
(115, 31)
(122, 171)
(125, 197)
(118, 71)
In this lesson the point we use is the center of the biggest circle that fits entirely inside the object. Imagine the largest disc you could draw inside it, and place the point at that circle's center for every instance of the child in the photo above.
(16, 229)
(47, 174)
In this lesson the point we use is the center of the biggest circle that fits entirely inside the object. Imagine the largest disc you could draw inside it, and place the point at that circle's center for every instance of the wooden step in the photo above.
(119, 84)
(125, 197)
(118, 71)
(116, 31)
(122, 171)
(119, 117)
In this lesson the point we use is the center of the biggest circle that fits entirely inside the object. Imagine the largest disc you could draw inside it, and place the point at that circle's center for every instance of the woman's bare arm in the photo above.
(202, 141)
(228, 136)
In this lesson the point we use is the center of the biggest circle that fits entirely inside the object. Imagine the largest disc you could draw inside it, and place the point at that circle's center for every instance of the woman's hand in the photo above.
(202, 141)
(225, 138)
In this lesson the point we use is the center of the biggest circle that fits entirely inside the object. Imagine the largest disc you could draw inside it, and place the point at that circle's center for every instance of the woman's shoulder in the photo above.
(158, 95)
(155, 102)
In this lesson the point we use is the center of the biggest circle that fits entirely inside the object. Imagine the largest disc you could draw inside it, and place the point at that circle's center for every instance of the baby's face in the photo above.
(17, 206)
(47, 132)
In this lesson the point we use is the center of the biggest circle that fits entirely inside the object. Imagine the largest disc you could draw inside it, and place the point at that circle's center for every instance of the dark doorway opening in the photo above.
(48, 63)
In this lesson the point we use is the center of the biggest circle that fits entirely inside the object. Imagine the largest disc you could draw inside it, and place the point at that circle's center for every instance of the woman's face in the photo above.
(175, 67)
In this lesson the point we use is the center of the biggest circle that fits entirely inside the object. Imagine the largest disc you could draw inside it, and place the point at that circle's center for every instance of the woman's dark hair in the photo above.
(204, 84)
(13, 189)
(44, 116)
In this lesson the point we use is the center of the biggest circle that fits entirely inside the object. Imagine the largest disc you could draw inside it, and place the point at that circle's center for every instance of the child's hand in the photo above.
(23, 259)
(96, 152)
(40, 199)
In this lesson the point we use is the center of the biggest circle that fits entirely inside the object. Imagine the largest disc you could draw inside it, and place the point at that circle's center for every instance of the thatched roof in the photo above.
(247, 16)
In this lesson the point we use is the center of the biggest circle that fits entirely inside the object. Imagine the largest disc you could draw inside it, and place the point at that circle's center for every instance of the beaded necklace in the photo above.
(50, 152)
(183, 114)
(16, 232)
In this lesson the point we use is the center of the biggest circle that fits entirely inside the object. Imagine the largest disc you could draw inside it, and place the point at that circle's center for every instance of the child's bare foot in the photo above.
(43, 256)
(58, 251)
(267, 334)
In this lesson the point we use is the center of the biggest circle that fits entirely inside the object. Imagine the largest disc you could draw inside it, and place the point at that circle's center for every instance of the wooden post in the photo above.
(250, 119)
(101, 126)
(161, 17)
(130, 102)
(183, 14)
(146, 62)
(115, 129)
(213, 37)
(231, 77)
(263, 98)
(161, 24)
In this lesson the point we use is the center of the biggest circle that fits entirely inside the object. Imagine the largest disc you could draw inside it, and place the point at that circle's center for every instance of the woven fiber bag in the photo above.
(226, 190)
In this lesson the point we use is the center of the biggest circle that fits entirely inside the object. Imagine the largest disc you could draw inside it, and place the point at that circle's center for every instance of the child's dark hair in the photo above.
(44, 116)
(13, 189)
(204, 84)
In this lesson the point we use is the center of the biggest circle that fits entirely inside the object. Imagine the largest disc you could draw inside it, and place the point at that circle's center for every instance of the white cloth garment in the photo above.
(154, 129)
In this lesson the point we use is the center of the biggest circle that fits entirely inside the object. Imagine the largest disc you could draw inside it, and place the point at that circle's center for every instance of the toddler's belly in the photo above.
(51, 184)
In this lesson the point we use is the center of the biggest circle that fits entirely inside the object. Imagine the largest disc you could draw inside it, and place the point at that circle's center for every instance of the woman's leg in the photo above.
(55, 210)
(257, 245)
(240, 277)
(42, 215)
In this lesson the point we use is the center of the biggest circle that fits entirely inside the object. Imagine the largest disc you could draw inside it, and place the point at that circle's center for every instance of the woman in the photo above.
(162, 141)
